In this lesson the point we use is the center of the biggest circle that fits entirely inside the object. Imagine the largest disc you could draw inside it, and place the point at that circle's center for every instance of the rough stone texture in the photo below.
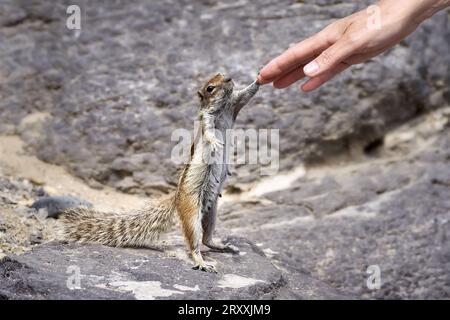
(314, 239)
(104, 101)
(117, 273)
(54, 206)
(110, 273)
(12, 191)
(391, 211)
(21, 227)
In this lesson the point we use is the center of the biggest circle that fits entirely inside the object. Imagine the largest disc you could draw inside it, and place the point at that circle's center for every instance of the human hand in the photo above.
(351, 40)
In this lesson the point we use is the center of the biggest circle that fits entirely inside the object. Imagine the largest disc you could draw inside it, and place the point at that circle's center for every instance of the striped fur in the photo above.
(137, 229)
(195, 199)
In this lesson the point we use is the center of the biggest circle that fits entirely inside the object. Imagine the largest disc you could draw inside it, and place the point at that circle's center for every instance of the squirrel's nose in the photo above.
(227, 79)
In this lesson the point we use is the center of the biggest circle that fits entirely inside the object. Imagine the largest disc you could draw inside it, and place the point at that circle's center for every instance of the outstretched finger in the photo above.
(292, 57)
(319, 80)
(289, 78)
(329, 59)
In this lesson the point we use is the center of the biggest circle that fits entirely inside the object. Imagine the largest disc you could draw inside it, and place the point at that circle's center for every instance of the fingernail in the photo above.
(311, 68)
(260, 80)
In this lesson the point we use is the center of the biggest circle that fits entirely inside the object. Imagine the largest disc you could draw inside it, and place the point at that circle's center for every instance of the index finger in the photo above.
(291, 58)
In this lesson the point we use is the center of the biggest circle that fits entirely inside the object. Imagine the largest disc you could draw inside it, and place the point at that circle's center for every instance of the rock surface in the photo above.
(313, 239)
(56, 271)
(388, 211)
(104, 101)
(54, 206)
(20, 226)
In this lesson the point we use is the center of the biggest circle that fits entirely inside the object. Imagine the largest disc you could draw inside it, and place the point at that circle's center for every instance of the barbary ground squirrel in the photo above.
(195, 199)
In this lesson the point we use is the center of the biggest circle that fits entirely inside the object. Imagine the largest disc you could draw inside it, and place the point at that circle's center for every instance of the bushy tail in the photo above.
(136, 229)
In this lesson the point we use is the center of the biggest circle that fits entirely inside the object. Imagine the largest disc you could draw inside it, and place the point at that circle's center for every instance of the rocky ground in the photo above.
(391, 209)
(34, 264)
(107, 273)
(364, 162)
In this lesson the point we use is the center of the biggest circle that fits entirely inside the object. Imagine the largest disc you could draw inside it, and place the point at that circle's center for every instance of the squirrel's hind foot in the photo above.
(205, 267)
(221, 248)
(200, 264)
(215, 144)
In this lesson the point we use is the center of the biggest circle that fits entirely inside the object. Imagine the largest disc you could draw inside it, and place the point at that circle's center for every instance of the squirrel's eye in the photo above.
(210, 88)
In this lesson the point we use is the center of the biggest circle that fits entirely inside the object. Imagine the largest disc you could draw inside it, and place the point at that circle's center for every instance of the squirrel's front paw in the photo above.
(214, 143)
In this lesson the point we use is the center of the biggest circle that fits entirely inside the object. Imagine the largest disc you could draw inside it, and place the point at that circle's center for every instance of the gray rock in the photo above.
(14, 190)
(21, 227)
(118, 88)
(114, 92)
(49, 272)
(36, 237)
(390, 212)
(55, 205)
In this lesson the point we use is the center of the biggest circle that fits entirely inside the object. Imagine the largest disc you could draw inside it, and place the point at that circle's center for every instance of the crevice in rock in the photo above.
(373, 146)
(28, 19)
(271, 288)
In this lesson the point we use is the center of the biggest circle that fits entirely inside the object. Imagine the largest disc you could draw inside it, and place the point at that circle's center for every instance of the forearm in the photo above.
(416, 10)
(348, 41)
(431, 7)
(242, 97)
(208, 124)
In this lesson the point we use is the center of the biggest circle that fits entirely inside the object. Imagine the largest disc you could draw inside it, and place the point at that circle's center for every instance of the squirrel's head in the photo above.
(216, 90)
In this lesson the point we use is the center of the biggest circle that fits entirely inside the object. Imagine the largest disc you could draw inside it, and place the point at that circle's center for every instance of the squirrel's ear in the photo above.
(200, 94)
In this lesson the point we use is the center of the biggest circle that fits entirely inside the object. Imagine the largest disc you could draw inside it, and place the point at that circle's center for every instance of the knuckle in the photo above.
(348, 40)
(330, 34)
(277, 67)
(352, 41)
(326, 58)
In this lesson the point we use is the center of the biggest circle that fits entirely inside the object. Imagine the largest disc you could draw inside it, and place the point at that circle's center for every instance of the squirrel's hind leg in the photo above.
(191, 223)
(208, 225)
(200, 264)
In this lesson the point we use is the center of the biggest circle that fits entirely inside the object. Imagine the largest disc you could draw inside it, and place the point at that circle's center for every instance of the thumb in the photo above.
(329, 58)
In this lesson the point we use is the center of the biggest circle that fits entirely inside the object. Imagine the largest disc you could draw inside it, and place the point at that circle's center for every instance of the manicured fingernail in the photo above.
(311, 68)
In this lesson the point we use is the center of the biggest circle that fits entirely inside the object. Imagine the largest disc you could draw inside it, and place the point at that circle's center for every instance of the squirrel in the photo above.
(195, 198)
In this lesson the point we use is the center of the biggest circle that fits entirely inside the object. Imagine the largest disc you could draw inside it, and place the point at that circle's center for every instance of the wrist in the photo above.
(429, 7)
(412, 12)
(421, 10)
